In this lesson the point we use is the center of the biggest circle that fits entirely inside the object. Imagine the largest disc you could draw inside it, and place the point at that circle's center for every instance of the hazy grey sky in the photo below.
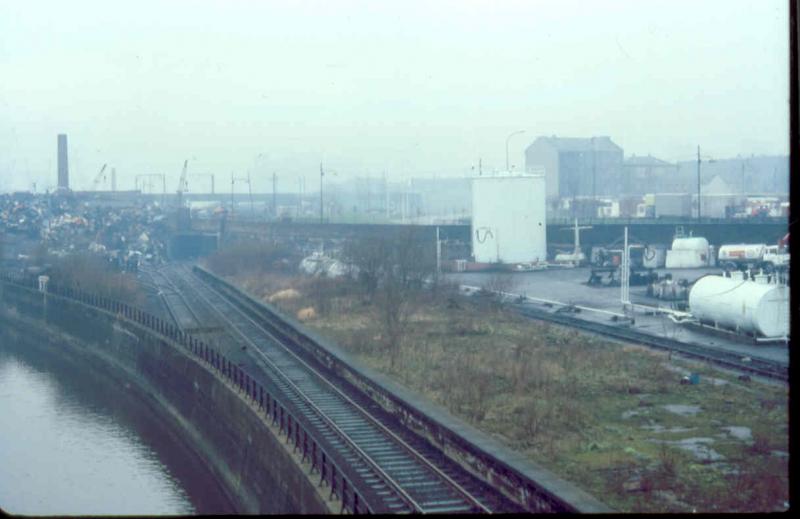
(412, 87)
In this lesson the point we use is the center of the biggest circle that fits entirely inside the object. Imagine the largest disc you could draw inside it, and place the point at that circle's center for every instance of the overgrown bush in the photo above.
(252, 257)
(92, 274)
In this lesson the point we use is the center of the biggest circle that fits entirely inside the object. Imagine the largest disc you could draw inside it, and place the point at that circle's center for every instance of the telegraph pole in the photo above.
(274, 196)
(385, 195)
(698, 183)
(250, 193)
(508, 139)
(594, 179)
(743, 182)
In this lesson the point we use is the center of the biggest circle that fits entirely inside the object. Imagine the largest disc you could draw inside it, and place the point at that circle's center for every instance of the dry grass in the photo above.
(560, 397)
(92, 274)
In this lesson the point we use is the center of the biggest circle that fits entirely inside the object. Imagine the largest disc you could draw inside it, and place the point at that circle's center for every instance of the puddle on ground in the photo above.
(681, 409)
(661, 429)
(699, 447)
(740, 433)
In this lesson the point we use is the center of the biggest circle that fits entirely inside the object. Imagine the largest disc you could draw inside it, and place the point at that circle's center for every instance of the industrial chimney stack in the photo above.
(63, 164)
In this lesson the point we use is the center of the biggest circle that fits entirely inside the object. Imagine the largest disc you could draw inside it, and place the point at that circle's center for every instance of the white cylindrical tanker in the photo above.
(687, 253)
(742, 253)
(755, 307)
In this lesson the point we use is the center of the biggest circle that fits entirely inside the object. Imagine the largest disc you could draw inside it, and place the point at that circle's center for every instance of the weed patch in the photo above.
(587, 409)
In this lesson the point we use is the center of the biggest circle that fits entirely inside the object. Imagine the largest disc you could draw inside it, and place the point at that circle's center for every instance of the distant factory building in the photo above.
(762, 174)
(577, 167)
(642, 175)
(63, 163)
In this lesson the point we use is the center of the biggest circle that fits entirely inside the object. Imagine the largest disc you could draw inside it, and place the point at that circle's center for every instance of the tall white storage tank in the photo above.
(688, 253)
(508, 219)
(739, 304)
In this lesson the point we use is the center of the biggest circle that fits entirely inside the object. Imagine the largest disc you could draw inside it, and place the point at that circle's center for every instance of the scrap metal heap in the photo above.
(123, 236)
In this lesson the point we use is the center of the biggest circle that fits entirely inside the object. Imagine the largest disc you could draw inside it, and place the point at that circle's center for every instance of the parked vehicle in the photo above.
(753, 256)
(777, 256)
(740, 254)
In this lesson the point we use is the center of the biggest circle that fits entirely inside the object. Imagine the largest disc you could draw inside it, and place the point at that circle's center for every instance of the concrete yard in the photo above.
(569, 286)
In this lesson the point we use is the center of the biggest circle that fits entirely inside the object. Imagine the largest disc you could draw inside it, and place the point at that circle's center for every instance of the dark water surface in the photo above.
(75, 442)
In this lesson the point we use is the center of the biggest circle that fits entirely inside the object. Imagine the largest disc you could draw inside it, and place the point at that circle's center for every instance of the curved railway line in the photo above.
(177, 306)
(397, 471)
(725, 358)
(186, 316)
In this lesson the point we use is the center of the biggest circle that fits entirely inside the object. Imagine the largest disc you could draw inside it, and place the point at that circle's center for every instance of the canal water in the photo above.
(78, 443)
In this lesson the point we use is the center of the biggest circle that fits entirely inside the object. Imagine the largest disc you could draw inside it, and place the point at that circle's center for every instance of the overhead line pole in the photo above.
(250, 193)
(274, 196)
(507, 140)
(698, 183)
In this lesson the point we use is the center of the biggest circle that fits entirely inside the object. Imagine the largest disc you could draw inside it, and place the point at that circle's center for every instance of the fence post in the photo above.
(333, 481)
(344, 494)
(314, 456)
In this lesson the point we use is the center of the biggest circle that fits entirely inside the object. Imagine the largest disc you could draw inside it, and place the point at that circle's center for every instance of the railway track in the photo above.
(397, 471)
(186, 316)
(725, 358)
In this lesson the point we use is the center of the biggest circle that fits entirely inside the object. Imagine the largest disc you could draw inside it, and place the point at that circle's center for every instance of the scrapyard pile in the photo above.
(124, 236)
(19, 215)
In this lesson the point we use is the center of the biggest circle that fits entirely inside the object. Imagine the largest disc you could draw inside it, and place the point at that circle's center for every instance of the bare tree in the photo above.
(401, 278)
(368, 256)
(491, 288)
(392, 271)
(321, 291)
